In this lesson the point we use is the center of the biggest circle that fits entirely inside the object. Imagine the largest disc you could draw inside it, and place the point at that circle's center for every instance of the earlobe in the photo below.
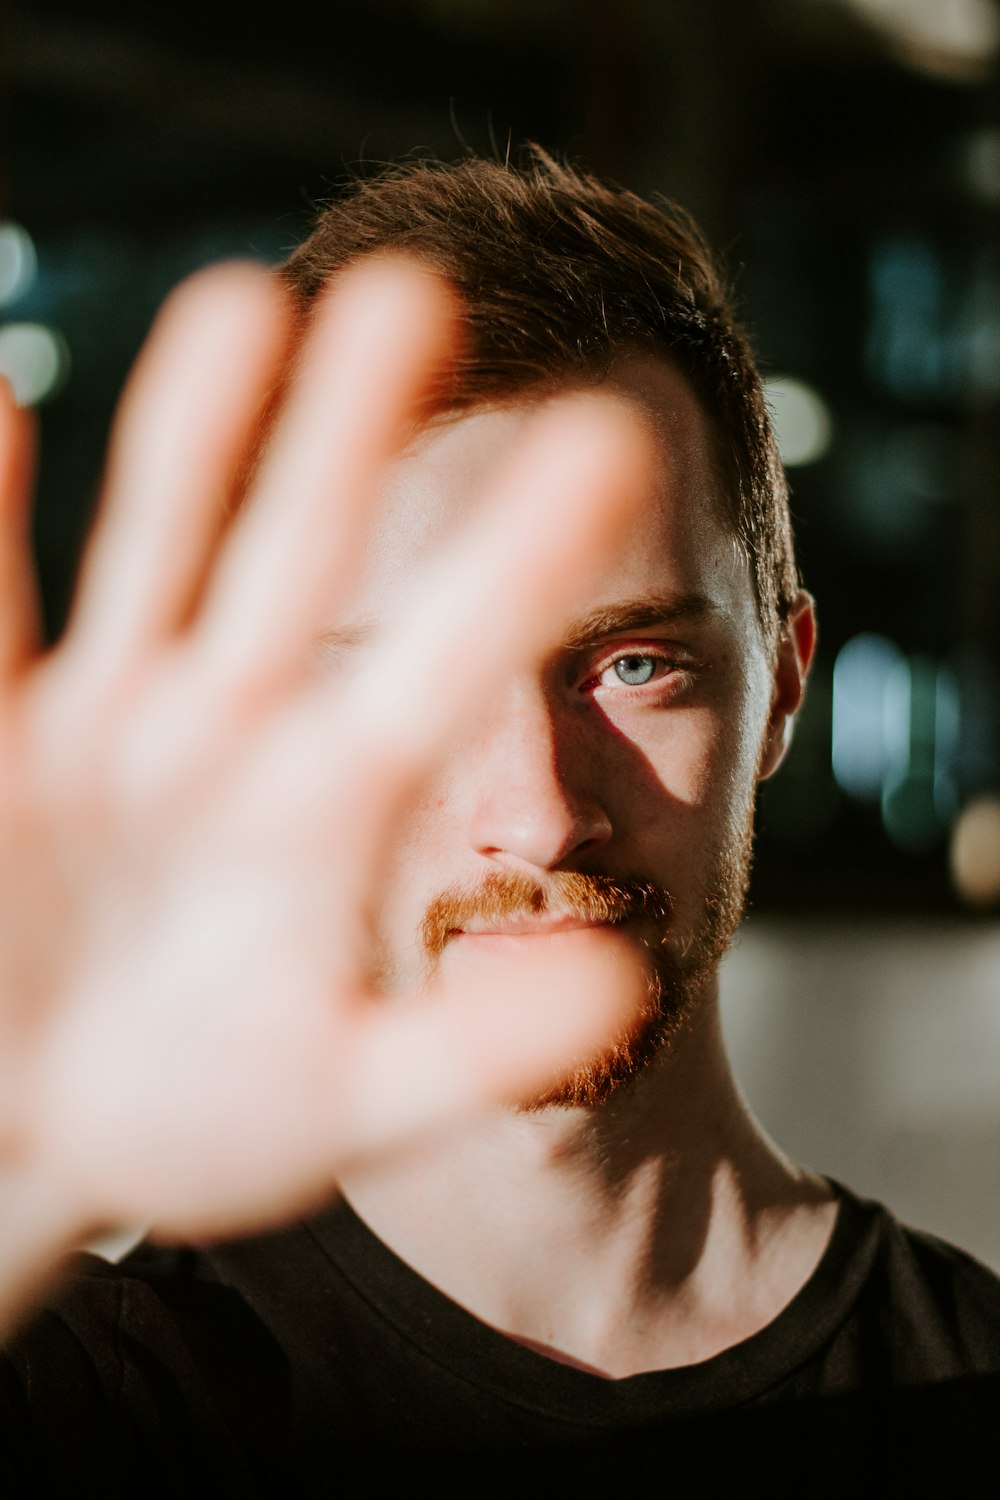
(792, 659)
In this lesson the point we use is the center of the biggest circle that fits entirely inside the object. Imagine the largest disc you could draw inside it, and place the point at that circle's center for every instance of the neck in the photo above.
(650, 1232)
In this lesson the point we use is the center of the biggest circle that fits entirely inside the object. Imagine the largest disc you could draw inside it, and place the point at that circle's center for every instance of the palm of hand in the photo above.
(193, 826)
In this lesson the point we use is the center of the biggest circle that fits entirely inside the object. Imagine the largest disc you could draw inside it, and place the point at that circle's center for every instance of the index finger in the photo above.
(379, 340)
(506, 583)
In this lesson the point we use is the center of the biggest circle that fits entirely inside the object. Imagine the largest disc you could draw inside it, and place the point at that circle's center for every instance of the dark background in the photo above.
(846, 164)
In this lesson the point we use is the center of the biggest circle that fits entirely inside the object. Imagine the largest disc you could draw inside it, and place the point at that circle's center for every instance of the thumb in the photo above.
(533, 1021)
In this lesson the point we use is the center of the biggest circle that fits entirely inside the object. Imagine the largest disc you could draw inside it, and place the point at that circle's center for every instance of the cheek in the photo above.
(687, 768)
(689, 753)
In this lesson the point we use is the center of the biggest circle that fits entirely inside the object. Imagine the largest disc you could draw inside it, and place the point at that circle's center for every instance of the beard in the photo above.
(679, 964)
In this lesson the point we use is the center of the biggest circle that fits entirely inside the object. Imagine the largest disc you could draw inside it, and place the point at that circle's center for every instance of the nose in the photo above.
(536, 799)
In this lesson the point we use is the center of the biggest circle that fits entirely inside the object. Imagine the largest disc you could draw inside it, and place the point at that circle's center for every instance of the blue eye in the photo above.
(633, 671)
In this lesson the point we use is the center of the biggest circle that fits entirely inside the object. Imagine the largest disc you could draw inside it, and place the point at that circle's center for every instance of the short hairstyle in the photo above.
(562, 274)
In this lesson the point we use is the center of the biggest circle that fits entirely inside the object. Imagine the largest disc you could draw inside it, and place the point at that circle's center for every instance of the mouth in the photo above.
(504, 909)
(542, 925)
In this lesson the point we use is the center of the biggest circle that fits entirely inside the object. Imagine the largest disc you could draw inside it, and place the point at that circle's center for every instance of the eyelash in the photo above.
(661, 658)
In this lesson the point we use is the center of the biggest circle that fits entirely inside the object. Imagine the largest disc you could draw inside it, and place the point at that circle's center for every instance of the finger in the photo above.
(378, 344)
(531, 1023)
(187, 414)
(291, 1082)
(502, 591)
(19, 616)
(284, 1122)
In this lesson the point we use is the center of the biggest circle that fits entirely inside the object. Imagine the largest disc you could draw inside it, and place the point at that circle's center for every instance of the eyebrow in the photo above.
(650, 610)
(646, 612)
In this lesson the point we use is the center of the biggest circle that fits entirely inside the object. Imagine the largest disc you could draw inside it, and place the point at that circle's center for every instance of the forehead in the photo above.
(676, 541)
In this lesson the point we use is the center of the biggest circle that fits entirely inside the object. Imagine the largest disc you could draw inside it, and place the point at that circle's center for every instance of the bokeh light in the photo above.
(802, 422)
(18, 261)
(953, 38)
(870, 715)
(35, 359)
(975, 852)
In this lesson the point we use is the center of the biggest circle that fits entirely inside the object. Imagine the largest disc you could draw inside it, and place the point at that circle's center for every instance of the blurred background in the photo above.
(844, 156)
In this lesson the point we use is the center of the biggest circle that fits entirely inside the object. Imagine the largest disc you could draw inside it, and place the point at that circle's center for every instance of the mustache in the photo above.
(501, 896)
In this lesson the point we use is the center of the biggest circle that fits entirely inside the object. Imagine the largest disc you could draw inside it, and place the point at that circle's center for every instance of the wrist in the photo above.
(39, 1228)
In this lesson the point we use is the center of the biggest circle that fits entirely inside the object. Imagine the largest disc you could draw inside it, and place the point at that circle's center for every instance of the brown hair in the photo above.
(560, 275)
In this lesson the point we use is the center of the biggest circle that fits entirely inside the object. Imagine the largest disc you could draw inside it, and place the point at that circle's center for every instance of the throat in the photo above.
(649, 1234)
(621, 1293)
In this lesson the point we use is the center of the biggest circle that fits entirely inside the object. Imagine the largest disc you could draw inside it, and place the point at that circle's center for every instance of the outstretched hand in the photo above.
(193, 823)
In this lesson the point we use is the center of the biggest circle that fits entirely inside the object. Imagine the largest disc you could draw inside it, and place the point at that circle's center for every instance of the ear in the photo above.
(792, 660)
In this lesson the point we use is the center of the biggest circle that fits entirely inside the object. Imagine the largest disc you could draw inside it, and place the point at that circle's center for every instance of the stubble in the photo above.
(679, 962)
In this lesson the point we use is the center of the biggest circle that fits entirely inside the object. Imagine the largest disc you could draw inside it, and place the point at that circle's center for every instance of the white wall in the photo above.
(871, 1051)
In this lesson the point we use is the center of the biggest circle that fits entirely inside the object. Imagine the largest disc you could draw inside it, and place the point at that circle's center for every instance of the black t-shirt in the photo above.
(226, 1368)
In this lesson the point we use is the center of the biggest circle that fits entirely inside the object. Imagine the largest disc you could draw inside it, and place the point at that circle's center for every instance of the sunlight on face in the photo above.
(613, 783)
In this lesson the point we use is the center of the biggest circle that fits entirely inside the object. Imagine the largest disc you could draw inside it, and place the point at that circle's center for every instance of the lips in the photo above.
(528, 926)
(509, 905)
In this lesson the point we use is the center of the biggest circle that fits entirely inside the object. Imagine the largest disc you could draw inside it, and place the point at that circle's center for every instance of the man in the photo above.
(321, 909)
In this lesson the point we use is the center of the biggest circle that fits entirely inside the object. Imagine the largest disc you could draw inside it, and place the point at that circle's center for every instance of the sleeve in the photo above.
(153, 1385)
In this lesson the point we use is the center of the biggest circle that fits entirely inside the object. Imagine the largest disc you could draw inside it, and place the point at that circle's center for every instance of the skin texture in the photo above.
(636, 1217)
(204, 823)
(239, 852)
(569, 771)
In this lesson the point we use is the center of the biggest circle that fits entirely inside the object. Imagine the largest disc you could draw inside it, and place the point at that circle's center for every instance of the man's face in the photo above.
(613, 783)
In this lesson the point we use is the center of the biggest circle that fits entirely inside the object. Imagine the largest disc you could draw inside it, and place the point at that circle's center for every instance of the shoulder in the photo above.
(937, 1306)
(165, 1300)
(151, 1359)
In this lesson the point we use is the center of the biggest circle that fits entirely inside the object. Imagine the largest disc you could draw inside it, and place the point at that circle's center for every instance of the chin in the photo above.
(680, 978)
(666, 1016)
